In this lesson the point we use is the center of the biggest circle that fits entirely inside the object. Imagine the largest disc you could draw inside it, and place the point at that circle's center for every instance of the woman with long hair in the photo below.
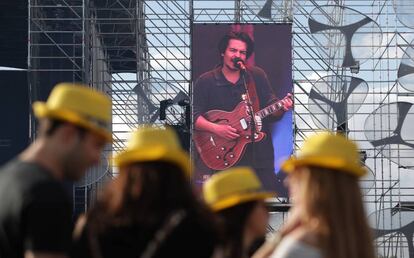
(237, 197)
(327, 218)
(149, 210)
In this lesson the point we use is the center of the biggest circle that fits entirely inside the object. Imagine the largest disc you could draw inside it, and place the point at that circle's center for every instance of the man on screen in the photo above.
(224, 87)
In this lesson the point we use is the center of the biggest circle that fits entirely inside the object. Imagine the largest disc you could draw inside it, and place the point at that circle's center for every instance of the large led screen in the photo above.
(240, 74)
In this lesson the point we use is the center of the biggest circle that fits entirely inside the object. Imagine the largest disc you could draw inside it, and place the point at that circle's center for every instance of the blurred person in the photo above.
(149, 210)
(327, 218)
(237, 197)
(35, 208)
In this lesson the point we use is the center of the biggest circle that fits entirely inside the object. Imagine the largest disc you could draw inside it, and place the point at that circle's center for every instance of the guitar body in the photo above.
(219, 153)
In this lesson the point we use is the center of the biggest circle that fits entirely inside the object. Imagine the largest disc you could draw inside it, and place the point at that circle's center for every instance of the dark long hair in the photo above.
(239, 35)
(233, 224)
(146, 193)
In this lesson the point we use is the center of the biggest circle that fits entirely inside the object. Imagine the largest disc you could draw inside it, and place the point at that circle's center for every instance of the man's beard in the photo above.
(232, 67)
(73, 166)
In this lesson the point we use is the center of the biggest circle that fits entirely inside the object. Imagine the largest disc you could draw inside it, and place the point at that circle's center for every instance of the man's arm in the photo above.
(225, 131)
(268, 96)
(200, 106)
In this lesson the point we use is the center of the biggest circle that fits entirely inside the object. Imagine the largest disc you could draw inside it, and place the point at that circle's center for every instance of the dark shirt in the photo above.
(35, 211)
(191, 238)
(213, 91)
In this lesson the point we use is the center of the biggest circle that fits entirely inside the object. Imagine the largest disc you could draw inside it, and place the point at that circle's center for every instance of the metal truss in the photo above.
(389, 185)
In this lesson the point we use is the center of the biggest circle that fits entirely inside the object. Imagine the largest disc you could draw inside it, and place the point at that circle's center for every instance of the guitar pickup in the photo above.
(243, 124)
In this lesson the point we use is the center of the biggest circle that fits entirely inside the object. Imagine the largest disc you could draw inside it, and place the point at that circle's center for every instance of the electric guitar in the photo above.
(219, 153)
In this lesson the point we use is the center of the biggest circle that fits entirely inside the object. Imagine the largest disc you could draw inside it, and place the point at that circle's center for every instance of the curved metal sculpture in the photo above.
(346, 37)
(335, 99)
(266, 11)
(397, 233)
(366, 183)
(404, 10)
(406, 69)
(390, 128)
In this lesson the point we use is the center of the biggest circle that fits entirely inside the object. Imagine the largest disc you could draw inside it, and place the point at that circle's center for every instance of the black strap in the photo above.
(251, 87)
(160, 236)
(170, 224)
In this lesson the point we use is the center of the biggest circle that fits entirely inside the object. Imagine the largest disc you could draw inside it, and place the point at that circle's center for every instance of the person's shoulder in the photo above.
(30, 173)
(305, 235)
(18, 173)
(35, 182)
(11, 166)
(257, 70)
(297, 244)
(207, 76)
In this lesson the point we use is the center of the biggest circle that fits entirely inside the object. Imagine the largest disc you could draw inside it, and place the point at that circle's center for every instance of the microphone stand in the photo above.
(251, 113)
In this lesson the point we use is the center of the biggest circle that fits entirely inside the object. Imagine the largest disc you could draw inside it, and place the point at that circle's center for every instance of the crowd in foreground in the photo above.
(151, 210)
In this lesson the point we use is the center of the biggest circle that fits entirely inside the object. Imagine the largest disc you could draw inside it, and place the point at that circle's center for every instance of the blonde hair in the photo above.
(333, 210)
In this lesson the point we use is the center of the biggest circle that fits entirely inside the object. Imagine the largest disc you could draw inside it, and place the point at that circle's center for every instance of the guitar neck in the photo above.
(273, 108)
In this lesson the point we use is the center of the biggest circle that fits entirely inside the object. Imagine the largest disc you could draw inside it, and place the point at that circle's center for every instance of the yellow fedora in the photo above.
(327, 150)
(80, 105)
(154, 144)
(233, 186)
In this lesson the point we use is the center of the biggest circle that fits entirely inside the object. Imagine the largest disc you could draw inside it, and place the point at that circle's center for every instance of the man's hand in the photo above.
(226, 131)
(287, 102)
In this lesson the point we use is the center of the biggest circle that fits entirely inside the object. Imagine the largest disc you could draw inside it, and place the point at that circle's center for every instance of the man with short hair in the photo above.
(35, 209)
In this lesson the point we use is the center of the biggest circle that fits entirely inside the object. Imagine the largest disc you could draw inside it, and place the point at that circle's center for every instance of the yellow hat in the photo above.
(232, 187)
(79, 105)
(329, 151)
(154, 144)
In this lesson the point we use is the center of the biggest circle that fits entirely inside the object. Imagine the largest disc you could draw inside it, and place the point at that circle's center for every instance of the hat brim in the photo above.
(240, 198)
(41, 110)
(326, 162)
(177, 157)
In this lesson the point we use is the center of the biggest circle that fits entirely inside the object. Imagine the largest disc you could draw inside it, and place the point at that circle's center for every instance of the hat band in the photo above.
(97, 122)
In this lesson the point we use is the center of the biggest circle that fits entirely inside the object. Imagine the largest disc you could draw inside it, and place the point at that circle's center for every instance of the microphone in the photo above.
(239, 63)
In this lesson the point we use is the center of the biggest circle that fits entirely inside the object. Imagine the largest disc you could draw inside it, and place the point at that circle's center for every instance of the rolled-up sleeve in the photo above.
(200, 98)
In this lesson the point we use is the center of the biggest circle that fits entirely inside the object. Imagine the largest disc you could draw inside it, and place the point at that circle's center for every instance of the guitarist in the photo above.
(222, 89)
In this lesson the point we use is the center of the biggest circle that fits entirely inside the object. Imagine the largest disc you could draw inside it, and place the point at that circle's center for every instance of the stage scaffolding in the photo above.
(139, 53)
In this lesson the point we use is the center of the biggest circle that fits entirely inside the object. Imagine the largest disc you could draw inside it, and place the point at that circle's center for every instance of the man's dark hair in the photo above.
(239, 35)
(56, 123)
(164, 188)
